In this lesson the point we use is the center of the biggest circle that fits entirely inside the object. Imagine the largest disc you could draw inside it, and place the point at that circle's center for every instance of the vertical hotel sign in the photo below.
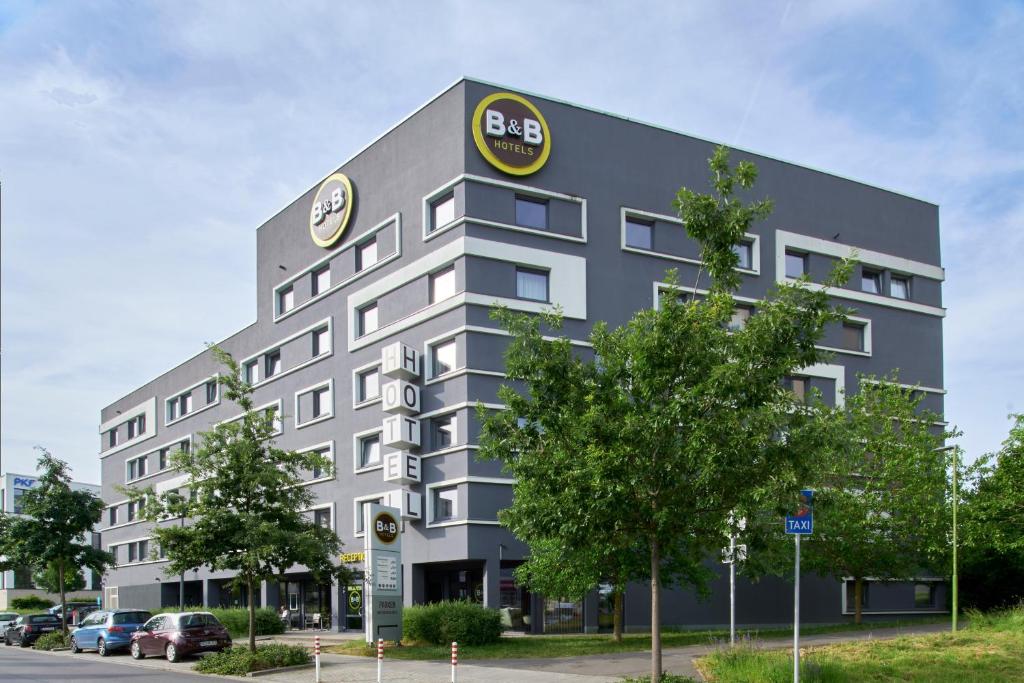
(383, 552)
(511, 133)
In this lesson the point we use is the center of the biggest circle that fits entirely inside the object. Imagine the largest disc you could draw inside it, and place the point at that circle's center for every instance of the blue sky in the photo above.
(141, 144)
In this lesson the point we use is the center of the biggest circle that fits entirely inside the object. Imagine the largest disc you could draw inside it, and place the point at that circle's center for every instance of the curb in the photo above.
(279, 670)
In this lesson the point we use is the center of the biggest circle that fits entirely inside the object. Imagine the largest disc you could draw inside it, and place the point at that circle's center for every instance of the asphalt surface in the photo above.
(19, 665)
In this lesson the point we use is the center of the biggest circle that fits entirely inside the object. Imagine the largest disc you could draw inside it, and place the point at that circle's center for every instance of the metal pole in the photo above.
(732, 590)
(316, 651)
(455, 660)
(956, 496)
(380, 660)
(796, 614)
(181, 581)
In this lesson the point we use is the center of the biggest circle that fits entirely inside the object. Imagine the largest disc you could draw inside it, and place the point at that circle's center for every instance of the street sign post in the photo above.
(799, 524)
(731, 555)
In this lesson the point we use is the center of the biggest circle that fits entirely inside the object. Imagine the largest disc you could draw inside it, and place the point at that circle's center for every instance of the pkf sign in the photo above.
(23, 483)
(511, 133)
(331, 210)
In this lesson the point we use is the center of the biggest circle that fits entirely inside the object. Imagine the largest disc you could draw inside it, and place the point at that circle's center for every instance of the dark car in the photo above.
(178, 635)
(108, 630)
(27, 629)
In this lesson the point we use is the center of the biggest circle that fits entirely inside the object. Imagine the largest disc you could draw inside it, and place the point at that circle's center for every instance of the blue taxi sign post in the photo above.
(799, 524)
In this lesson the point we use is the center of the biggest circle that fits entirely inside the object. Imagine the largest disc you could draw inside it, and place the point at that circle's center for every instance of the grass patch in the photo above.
(238, 661)
(990, 650)
(531, 647)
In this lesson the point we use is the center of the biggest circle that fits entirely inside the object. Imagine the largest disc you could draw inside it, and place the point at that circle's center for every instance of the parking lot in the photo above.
(28, 665)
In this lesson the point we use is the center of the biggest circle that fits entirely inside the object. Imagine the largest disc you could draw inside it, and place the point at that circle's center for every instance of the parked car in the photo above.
(76, 611)
(179, 635)
(26, 629)
(6, 619)
(108, 630)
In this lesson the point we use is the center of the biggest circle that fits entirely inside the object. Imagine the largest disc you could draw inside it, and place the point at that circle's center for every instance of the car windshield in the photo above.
(8, 616)
(193, 620)
(42, 619)
(132, 617)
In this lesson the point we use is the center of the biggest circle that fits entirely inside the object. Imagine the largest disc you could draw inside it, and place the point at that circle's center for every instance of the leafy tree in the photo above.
(50, 536)
(245, 504)
(880, 488)
(50, 581)
(993, 524)
(647, 446)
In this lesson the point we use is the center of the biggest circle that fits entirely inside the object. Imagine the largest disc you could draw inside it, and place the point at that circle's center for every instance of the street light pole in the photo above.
(956, 497)
(181, 577)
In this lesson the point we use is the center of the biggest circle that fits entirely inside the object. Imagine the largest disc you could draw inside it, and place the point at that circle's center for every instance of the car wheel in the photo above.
(24, 643)
(74, 646)
(136, 650)
(101, 648)
(7, 641)
(172, 653)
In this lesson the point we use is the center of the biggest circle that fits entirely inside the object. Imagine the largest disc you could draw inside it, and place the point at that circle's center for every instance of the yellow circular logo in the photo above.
(511, 133)
(332, 207)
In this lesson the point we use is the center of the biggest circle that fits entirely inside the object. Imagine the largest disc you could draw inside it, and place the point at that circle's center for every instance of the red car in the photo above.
(178, 635)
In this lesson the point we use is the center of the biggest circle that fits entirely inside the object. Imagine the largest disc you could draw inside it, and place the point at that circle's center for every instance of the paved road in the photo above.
(19, 665)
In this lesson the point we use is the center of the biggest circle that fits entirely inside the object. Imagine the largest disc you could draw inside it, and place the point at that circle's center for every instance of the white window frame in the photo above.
(315, 276)
(652, 217)
(430, 357)
(285, 300)
(148, 408)
(328, 322)
(357, 509)
(434, 224)
(357, 400)
(442, 276)
(429, 495)
(323, 506)
(135, 458)
(362, 249)
(361, 319)
(324, 384)
(357, 449)
(329, 447)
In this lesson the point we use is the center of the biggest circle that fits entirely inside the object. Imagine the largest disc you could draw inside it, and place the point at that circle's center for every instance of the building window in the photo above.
(361, 517)
(366, 255)
(369, 385)
(272, 363)
(796, 264)
(112, 438)
(138, 551)
(321, 402)
(442, 212)
(321, 280)
(113, 515)
(851, 590)
(442, 284)
(871, 281)
(924, 595)
(273, 414)
(797, 385)
(532, 284)
(321, 341)
(322, 517)
(639, 234)
(252, 372)
(211, 392)
(445, 503)
(367, 319)
(899, 287)
(324, 453)
(369, 451)
(442, 358)
(185, 446)
(740, 316)
(531, 212)
(285, 300)
(135, 508)
(853, 337)
(164, 458)
(745, 253)
(136, 468)
(443, 431)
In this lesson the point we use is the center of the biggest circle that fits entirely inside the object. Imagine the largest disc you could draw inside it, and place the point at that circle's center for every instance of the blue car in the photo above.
(108, 630)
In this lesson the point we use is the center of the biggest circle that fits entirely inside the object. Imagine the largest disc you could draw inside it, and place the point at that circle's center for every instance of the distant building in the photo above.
(18, 582)
(373, 345)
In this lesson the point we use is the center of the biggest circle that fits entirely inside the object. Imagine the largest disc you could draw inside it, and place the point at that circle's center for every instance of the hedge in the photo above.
(236, 619)
(238, 661)
(52, 641)
(440, 623)
(31, 602)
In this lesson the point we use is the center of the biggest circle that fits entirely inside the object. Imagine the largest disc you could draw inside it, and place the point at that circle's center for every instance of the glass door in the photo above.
(563, 616)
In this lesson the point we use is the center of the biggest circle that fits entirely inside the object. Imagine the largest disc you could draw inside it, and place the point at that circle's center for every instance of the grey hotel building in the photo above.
(372, 342)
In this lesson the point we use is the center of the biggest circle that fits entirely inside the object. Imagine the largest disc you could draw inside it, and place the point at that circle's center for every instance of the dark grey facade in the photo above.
(603, 171)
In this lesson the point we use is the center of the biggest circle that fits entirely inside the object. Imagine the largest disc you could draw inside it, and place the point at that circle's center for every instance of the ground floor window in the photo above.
(563, 616)
(454, 583)
(514, 600)
(606, 608)
(851, 592)
(924, 595)
(306, 604)
(354, 604)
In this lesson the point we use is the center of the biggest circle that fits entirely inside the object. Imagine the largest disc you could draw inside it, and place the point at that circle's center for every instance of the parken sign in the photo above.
(511, 133)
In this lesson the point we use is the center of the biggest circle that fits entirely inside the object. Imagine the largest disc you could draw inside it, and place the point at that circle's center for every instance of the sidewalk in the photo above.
(588, 669)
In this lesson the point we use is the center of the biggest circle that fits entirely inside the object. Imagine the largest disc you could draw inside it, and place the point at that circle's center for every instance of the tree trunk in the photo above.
(858, 597)
(617, 617)
(252, 618)
(655, 612)
(63, 599)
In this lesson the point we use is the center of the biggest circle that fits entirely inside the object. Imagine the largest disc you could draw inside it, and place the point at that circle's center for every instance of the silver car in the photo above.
(6, 619)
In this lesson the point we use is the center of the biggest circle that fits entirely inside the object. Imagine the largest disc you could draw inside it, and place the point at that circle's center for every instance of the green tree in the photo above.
(55, 532)
(50, 580)
(880, 505)
(244, 505)
(993, 525)
(647, 445)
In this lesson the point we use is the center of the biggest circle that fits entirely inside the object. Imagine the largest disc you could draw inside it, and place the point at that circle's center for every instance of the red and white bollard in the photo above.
(316, 655)
(455, 659)
(380, 660)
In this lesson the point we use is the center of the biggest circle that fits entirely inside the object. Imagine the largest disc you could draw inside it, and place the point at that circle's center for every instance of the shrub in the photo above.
(440, 623)
(31, 602)
(52, 641)
(238, 661)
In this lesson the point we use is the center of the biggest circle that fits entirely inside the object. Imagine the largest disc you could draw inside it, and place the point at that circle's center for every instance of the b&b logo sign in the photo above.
(511, 133)
(332, 207)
